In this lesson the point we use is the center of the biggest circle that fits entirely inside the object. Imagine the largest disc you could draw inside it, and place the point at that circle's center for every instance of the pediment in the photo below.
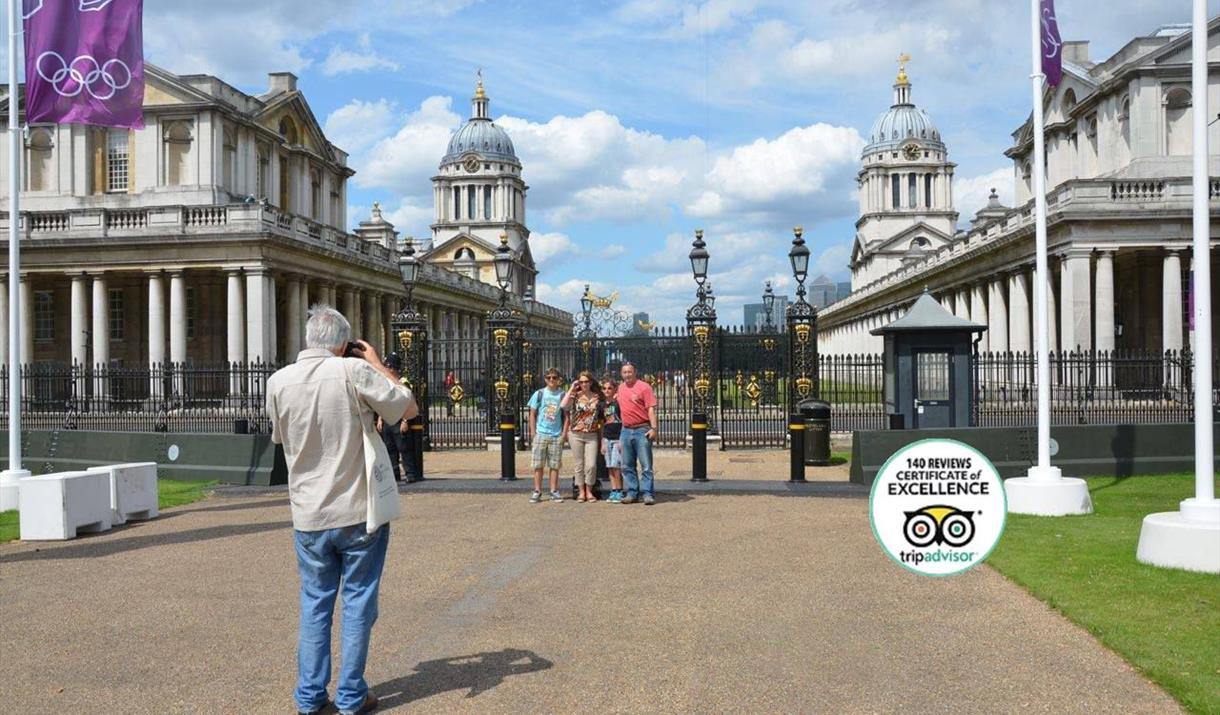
(1178, 50)
(162, 88)
(901, 241)
(293, 106)
(444, 253)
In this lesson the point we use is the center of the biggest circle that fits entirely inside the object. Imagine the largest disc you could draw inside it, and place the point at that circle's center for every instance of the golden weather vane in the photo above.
(903, 59)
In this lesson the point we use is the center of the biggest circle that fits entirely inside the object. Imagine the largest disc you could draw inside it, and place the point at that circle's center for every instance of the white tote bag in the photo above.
(383, 503)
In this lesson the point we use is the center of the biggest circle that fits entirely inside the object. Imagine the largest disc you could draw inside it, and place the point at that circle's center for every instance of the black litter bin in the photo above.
(817, 432)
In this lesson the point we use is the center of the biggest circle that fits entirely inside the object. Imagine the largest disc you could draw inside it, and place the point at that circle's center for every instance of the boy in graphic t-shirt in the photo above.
(549, 431)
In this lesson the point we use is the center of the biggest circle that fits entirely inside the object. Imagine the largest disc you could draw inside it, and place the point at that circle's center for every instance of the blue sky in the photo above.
(639, 121)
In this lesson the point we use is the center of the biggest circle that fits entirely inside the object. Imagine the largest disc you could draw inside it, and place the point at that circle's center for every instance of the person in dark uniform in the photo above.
(395, 435)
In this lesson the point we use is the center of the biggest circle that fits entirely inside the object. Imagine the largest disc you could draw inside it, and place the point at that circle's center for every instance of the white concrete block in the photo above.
(57, 506)
(133, 490)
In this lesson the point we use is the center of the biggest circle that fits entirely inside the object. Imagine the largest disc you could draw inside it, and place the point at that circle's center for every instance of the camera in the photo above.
(353, 350)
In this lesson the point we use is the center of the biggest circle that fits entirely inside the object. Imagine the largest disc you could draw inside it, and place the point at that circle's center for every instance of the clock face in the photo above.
(911, 151)
(471, 163)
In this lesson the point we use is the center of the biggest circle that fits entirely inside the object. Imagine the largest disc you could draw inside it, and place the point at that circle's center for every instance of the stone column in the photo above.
(26, 287)
(273, 333)
(304, 314)
(372, 321)
(1105, 300)
(1075, 298)
(978, 313)
(177, 317)
(1019, 332)
(235, 325)
(997, 315)
(256, 316)
(1052, 310)
(294, 321)
(1171, 301)
(101, 322)
(80, 320)
(349, 308)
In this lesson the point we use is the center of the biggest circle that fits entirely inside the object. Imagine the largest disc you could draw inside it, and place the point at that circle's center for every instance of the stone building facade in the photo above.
(1118, 138)
(205, 236)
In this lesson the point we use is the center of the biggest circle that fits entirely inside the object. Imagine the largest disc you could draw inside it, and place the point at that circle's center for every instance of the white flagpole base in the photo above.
(9, 497)
(1046, 492)
(1188, 539)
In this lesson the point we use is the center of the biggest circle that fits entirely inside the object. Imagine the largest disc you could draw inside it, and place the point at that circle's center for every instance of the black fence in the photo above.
(748, 405)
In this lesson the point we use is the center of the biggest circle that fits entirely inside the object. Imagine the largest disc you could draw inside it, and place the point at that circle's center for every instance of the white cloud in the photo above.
(404, 161)
(552, 249)
(358, 125)
(799, 163)
(343, 61)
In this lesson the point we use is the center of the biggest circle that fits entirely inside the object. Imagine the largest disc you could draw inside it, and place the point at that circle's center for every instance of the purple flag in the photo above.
(84, 62)
(1052, 45)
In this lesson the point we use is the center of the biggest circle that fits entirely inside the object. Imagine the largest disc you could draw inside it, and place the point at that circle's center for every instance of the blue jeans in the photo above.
(636, 445)
(323, 559)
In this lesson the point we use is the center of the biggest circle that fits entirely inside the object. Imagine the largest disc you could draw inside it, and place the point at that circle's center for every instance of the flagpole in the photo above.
(1190, 537)
(9, 477)
(1043, 491)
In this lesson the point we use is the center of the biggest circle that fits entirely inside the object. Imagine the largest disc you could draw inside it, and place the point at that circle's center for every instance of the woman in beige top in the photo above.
(584, 400)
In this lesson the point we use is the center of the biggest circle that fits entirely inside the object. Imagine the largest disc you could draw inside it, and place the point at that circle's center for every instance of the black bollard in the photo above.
(417, 444)
(698, 446)
(796, 434)
(508, 446)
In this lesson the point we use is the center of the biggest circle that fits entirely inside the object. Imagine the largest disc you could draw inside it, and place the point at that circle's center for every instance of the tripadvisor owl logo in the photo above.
(938, 507)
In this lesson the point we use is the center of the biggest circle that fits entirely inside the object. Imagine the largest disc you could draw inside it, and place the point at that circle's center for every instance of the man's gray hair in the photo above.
(326, 328)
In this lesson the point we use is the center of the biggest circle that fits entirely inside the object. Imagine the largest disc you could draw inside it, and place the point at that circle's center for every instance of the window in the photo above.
(288, 130)
(285, 185)
(335, 215)
(116, 160)
(895, 198)
(457, 203)
(911, 197)
(40, 160)
(487, 202)
(1124, 119)
(229, 165)
(927, 190)
(263, 170)
(1178, 118)
(470, 202)
(315, 194)
(44, 315)
(115, 311)
(177, 141)
(190, 313)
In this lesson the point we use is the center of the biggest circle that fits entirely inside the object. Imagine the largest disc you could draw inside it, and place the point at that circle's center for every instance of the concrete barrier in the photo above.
(133, 490)
(57, 506)
(245, 459)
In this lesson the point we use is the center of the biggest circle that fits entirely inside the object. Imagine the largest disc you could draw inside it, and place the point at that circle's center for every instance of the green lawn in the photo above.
(1164, 622)
(170, 492)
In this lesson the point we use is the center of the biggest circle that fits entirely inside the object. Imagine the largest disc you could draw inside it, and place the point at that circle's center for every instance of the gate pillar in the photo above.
(504, 380)
(409, 329)
(701, 326)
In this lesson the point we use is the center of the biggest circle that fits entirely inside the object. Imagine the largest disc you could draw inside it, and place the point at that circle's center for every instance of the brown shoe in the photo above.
(370, 704)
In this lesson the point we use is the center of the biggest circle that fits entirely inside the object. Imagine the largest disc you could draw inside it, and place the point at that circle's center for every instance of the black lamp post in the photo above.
(802, 353)
(505, 350)
(410, 341)
(768, 300)
(701, 323)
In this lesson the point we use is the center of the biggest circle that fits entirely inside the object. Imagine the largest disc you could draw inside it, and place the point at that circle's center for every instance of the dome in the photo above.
(902, 122)
(480, 135)
(483, 137)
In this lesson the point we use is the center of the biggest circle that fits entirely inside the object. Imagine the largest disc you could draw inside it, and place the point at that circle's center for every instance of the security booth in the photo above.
(928, 380)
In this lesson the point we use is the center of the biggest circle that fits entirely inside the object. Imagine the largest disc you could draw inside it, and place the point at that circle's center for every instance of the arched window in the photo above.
(919, 243)
(40, 159)
(464, 253)
(229, 166)
(315, 194)
(177, 141)
(1178, 118)
(1124, 120)
(288, 130)
(1069, 102)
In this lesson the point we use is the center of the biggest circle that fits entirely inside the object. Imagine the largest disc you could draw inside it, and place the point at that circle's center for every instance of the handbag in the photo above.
(384, 505)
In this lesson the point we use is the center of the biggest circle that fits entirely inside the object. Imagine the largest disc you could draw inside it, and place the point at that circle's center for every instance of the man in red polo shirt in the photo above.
(638, 409)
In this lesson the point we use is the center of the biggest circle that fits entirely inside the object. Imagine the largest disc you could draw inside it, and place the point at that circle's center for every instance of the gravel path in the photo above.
(489, 604)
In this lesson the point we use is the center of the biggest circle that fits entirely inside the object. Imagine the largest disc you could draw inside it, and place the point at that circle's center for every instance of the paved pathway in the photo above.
(708, 603)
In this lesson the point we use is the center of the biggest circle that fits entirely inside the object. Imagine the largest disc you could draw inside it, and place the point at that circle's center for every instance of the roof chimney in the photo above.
(1076, 52)
(283, 82)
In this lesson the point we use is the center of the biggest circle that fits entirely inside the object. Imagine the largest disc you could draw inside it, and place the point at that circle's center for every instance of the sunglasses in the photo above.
(583, 382)
(552, 377)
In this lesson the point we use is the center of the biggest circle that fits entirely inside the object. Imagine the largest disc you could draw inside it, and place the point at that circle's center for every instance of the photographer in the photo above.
(395, 434)
(320, 407)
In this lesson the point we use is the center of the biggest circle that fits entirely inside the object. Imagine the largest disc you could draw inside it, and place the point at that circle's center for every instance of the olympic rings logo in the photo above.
(68, 79)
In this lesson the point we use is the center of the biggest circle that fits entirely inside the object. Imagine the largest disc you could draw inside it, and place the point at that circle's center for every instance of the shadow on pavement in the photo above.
(261, 504)
(90, 546)
(473, 673)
